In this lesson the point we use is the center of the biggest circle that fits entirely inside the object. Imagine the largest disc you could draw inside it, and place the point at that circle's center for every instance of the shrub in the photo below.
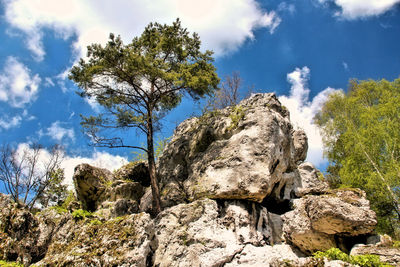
(81, 214)
(360, 260)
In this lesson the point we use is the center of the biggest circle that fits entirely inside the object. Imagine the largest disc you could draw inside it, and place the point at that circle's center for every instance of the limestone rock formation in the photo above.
(242, 152)
(134, 171)
(235, 191)
(120, 241)
(90, 185)
(387, 254)
(99, 189)
(310, 182)
(317, 221)
(210, 233)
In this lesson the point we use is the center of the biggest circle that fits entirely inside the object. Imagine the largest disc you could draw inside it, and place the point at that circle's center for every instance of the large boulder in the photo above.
(242, 152)
(91, 184)
(98, 189)
(310, 181)
(318, 222)
(210, 233)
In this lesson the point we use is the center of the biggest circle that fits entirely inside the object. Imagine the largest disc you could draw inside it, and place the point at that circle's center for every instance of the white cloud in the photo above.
(93, 104)
(7, 122)
(17, 86)
(57, 132)
(284, 6)
(302, 111)
(49, 82)
(223, 25)
(353, 9)
(345, 66)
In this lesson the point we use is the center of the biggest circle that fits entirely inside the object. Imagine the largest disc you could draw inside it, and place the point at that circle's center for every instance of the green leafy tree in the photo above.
(362, 142)
(55, 192)
(138, 83)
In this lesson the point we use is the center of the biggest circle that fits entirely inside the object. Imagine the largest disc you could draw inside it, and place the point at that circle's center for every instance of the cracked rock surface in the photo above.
(235, 192)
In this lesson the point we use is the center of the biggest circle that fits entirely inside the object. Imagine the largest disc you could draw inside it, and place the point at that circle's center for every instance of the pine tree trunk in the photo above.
(152, 167)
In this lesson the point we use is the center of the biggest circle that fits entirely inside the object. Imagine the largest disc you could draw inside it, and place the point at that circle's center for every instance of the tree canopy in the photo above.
(362, 143)
(138, 83)
(31, 174)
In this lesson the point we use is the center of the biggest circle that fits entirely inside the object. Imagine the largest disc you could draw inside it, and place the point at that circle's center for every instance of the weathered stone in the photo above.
(389, 255)
(242, 152)
(91, 184)
(345, 212)
(204, 233)
(276, 255)
(300, 142)
(137, 171)
(146, 201)
(310, 182)
(124, 207)
(23, 236)
(316, 220)
(126, 190)
(122, 241)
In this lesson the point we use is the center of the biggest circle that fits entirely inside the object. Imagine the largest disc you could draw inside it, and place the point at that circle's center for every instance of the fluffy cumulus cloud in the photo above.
(7, 122)
(18, 86)
(353, 9)
(302, 111)
(223, 25)
(99, 159)
(57, 132)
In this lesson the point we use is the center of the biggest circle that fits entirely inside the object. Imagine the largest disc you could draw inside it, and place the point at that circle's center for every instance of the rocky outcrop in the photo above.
(317, 221)
(387, 254)
(243, 152)
(122, 241)
(112, 194)
(134, 171)
(310, 181)
(23, 236)
(210, 233)
(235, 191)
(90, 185)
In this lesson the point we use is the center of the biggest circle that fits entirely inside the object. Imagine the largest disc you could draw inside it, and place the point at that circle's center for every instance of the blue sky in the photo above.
(300, 49)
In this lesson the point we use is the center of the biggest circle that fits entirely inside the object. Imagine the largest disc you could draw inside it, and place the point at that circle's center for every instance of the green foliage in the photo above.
(138, 83)
(81, 214)
(10, 264)
(69, 199)
(396, 244)
(332, 254)
(159, 146)
(59, 209)
(360, 260)
(236, 115)
(95, 222)
(362, 142)
(55, 192)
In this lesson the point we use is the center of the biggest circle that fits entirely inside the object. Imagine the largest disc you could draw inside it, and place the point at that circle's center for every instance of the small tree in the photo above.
(229, 93)
(28, 172)
(55, 192)
(138, 83)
